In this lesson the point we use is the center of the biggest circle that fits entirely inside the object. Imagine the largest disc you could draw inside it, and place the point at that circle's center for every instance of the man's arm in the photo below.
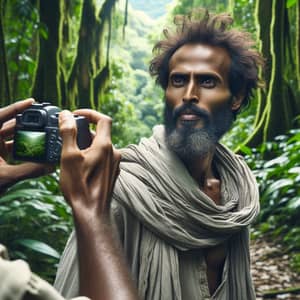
(10, 174)
(87, 180)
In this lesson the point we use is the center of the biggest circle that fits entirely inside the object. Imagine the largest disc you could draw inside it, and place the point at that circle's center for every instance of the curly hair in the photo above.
(202, 27)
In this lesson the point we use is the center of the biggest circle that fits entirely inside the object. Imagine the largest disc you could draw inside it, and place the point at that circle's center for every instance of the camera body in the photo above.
(37, 136)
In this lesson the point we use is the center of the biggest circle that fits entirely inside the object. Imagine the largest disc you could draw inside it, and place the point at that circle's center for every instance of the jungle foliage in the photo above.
(35, 222)
(276, 165)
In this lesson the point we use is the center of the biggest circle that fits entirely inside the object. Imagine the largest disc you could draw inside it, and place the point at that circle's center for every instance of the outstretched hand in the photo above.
(88, 176)
(10, 174)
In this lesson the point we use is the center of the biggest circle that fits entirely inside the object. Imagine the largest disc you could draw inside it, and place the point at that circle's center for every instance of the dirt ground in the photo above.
(271, 270)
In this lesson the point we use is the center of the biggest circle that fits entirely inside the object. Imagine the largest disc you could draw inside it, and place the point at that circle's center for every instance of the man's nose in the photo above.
(191, 93)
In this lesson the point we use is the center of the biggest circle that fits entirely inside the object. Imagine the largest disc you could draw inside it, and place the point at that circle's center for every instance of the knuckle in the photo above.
(107, 145)
(68, 128)
(71, 156)
(106, 119)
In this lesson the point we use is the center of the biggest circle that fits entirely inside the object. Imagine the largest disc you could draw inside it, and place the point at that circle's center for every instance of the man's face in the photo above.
(199, 103)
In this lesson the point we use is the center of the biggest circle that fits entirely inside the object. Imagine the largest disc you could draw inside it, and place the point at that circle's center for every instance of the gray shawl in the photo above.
(176, 215)
(156, 187)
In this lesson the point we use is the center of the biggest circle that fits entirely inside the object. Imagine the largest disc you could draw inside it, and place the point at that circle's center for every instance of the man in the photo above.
(103, 273)
(183, 202)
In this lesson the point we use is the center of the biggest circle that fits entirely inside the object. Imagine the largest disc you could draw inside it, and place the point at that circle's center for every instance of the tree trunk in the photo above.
(47, 78)
(5, 96)
(277, 106)
(297, 34)
(90, 71)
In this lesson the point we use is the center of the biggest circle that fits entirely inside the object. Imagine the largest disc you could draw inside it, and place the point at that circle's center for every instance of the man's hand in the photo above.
(87, 179)
(88, 176)
(10, 174)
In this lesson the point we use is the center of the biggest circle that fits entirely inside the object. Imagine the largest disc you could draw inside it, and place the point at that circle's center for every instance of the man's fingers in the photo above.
(8, 129)
(68, 131)
(3, 150)
(10, 111)
(92, 115)
(103, 130)
(9, 146)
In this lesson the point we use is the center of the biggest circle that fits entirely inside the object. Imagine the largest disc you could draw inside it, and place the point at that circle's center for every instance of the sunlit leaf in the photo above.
(295, 170)
(294, 203)
(245, 149)
(21, 194)
(276, 161)
(290, 3)
(277, 185)
(38, 246)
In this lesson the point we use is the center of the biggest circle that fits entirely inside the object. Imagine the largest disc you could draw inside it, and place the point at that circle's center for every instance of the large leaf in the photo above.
(295, 170)
(277, 185)
(281, 160)
(24, 193)
(38, 246)
(294, 203)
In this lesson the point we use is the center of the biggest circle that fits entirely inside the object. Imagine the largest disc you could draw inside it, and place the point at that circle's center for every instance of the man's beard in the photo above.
(189, 142)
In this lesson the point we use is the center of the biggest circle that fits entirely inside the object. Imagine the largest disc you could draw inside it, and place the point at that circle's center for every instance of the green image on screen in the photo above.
(30, 144)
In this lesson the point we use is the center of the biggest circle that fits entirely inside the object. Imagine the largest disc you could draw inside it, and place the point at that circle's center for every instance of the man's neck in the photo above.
(201, 168)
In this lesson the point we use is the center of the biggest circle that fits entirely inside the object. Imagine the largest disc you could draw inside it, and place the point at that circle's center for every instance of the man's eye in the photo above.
(177, 80)
(208, 82)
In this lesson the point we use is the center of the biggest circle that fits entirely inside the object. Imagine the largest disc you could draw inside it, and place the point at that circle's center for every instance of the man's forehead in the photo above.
(204, 55)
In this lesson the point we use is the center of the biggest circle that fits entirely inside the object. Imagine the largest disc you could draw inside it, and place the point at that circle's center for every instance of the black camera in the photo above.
(37, 136)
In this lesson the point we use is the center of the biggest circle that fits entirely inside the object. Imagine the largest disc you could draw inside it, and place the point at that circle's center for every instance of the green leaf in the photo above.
(21, 194)
(38, 246)
(277, 185)
(290, 3)
(295, 170)
(245, 149)
(264, 227)
(294, 203)
(281, 160)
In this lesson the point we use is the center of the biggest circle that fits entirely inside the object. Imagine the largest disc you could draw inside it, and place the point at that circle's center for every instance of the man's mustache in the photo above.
(191, 108)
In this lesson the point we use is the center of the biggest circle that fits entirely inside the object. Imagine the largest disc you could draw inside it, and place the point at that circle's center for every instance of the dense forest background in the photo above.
(88, 53)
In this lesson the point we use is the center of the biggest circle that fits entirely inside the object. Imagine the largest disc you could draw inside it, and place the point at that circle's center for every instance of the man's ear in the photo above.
(237, 102)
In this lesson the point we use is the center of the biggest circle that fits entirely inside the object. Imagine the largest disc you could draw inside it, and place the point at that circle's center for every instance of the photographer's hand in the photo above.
(10, 174)
(87, 180)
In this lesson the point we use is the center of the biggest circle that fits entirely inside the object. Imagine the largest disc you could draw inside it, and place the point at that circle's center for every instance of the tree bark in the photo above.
(47, 83)
(5, 96)
(90, 70)
(277, 107)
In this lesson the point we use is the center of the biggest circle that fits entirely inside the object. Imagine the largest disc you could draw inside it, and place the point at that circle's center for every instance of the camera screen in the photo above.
(30, 144)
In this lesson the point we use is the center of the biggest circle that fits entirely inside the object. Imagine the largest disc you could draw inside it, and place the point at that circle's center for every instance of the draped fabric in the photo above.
(157, 188)
(17, 281)
(166, 213)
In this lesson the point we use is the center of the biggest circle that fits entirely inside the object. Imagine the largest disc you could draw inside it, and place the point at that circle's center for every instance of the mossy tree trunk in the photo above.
(297, 33)
(277, 104)
(46, 86)
(83, 83)
(4, 78)
(90, 70)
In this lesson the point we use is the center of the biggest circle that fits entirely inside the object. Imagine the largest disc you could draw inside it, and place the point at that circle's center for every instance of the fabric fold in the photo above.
(156, 187)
